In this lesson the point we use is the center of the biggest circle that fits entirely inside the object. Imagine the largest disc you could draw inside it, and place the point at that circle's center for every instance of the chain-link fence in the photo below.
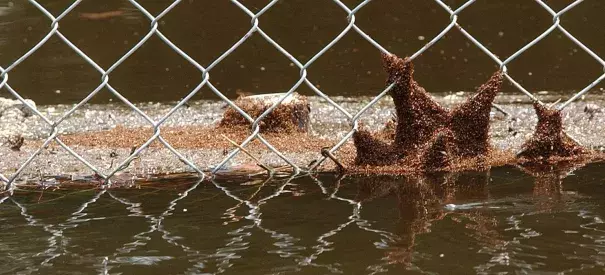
(256, 30)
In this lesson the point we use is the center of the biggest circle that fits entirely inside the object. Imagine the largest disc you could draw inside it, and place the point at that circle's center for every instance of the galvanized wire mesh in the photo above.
(255, 29)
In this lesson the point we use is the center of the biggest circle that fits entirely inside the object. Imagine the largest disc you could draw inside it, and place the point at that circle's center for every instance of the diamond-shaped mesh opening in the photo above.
(261, 67)
(156, 71)
(347, 68)
(557, 64)
(17, 39)
(402, 26)
(197, 112)
(38, 77)
(502, 27)
(458, 64)
(111, 29)
(316, 24)
(583, 22)
(150, 169)
(209, 39)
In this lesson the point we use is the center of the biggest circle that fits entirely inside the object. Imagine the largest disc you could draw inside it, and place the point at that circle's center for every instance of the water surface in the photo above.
(505, 220)
(205, 29)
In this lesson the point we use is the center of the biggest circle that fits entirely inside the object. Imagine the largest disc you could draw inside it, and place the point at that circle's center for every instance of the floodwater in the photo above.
(205, 29)
(504, 221)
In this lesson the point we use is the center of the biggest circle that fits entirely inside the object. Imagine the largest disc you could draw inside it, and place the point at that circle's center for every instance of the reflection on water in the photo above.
(205, 29)
(505, 220)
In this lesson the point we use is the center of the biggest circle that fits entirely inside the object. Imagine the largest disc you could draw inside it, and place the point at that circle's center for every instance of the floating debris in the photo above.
(423, 136)
(592, 110)
(101, 15)
(15, 142)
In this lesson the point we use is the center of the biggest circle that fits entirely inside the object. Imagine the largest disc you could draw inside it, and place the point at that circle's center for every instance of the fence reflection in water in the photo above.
(484, 221)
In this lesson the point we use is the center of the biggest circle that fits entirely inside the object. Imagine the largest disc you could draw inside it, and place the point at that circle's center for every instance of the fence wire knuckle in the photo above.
(256, 29)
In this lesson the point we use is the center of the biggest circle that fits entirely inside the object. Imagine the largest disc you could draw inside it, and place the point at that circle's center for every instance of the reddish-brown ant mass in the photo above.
(426, 132)
(549, 142)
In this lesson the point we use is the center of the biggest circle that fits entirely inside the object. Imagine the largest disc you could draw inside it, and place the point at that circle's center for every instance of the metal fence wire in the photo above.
(255, 29)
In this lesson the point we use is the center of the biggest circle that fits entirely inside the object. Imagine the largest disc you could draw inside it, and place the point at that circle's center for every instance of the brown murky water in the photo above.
(504, 221)
(206, 29)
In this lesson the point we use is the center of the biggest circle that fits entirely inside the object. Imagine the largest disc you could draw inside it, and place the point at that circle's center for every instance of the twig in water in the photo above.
(554, 103)
(40, 197)
(326, 153)
(500, 109)
(112, 155)
(269, 170)
(132, 150)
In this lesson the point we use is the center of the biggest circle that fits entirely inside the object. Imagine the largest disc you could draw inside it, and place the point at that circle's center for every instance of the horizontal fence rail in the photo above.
(255, 29)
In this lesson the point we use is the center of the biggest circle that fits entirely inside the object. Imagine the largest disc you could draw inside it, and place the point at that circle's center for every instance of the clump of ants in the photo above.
(429, 137)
